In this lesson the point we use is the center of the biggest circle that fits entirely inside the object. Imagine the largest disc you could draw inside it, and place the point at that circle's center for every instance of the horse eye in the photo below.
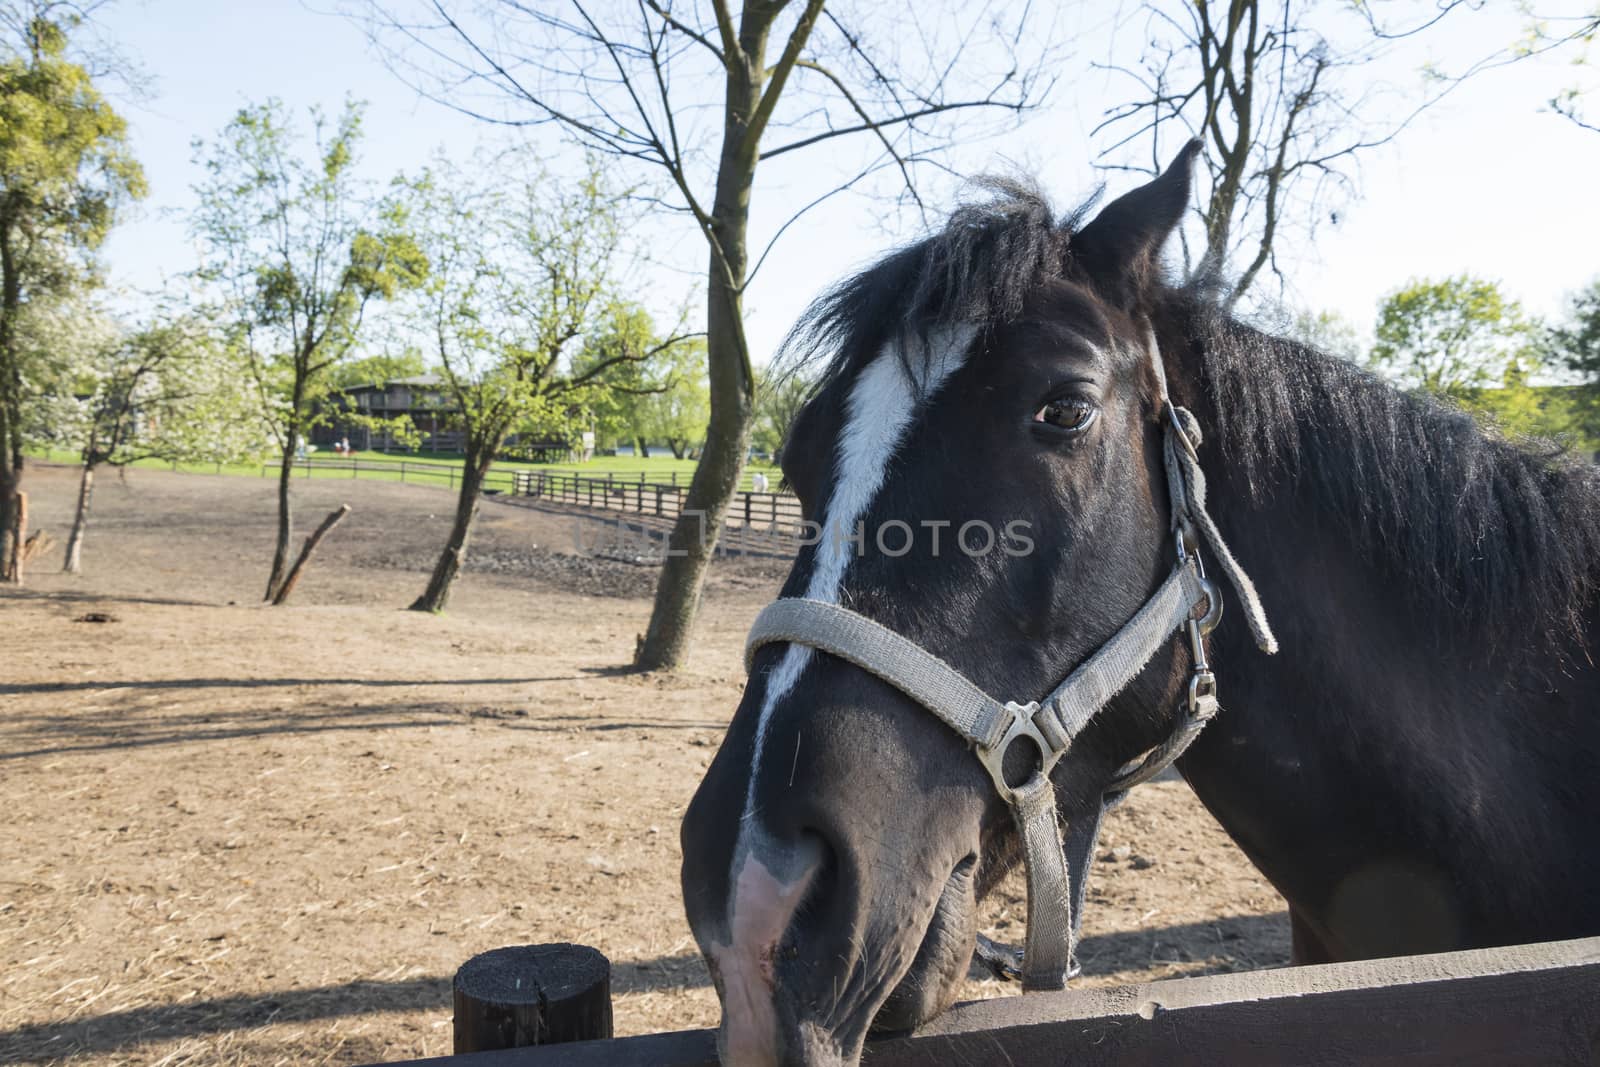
(1071, 413)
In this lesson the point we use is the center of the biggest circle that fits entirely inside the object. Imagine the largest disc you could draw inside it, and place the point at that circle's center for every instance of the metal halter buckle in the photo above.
(1202, 699)
(993, 757)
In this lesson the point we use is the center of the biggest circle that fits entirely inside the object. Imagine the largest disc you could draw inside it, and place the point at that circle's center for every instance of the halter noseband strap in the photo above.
(1056, 870)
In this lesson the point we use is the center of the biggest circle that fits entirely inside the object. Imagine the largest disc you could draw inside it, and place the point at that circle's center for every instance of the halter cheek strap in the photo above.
(1056, 869)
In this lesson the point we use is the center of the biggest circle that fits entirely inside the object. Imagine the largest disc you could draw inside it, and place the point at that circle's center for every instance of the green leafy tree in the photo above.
(517, 280)
(1574, 343)
(676, 414)
(65, 172)
(376, 369)
(1464, 340)
(298, 248)
(1450, 336)
(617, 413)
(780, 393)
(644, 401)
(1520, 409)
(1328, 331)
(166, 390)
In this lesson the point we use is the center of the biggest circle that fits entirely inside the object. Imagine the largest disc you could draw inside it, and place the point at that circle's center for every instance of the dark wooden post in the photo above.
(305, 553)
(532, 995)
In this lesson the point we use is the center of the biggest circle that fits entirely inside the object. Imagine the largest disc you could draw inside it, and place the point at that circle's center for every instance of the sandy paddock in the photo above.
(247, 835)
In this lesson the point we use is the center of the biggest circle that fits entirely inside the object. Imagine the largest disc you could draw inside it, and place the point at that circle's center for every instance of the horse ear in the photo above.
(1120, 249)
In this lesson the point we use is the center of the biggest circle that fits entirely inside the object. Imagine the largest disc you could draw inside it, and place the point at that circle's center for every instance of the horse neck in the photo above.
(1380, 732)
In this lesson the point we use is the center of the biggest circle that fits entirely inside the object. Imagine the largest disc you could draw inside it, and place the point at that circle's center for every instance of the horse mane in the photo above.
(1501, 537)
(1499, 540)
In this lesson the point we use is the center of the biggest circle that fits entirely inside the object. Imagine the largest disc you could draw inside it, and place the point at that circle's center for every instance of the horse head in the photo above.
(983, 466)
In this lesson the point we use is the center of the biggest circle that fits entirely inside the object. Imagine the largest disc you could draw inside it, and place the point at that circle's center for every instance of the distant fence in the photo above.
(406, 470)
(504, 478)
(775, 512)
(754, 522)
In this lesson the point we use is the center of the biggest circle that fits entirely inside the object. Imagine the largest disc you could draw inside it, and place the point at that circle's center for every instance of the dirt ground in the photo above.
(247, 835)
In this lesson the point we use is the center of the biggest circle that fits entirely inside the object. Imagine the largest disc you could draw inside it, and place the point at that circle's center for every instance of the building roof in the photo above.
(426, 381)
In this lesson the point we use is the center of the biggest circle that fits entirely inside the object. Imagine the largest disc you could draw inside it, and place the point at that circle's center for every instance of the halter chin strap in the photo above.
(1057, 869)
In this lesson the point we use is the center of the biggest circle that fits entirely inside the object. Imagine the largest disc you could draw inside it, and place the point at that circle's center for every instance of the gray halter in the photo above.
(1056, 870)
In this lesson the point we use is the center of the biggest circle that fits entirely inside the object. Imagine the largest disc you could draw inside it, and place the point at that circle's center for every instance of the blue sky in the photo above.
(1486, 182)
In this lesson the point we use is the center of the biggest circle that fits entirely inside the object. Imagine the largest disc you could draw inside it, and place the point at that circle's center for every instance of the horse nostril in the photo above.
(821, 857)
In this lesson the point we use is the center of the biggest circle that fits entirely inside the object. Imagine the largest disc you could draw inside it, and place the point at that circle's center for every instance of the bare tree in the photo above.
(637, 81)
(1286, 96)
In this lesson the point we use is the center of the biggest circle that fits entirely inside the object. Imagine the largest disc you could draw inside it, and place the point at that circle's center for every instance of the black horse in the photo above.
(1415, 770)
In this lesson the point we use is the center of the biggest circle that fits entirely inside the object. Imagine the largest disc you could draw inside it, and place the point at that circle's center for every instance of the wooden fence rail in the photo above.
(420, 471)
(1533, 1004)
(776, 512)
(636, 488)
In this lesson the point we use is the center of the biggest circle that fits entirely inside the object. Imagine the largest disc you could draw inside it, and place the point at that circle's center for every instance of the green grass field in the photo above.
(443, 468)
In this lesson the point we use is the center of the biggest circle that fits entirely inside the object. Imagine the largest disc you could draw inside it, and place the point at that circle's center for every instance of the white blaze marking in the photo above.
(878, 413)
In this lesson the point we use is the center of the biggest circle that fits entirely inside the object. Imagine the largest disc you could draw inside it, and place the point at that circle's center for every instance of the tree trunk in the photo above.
(305, 553)
(678, 448)
(280, 555)
(642, 449)
(19, 537)
(80, 520)
(10, 479)
(716, 476)
(11, 462)
(437, 596)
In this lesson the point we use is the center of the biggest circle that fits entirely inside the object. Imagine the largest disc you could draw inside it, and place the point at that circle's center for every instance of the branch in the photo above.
(666, 16)
(750, 149)
(868, 123)
(910, 116)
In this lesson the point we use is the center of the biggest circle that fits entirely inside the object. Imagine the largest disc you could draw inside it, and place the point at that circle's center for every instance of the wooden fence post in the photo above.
(532, 995)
